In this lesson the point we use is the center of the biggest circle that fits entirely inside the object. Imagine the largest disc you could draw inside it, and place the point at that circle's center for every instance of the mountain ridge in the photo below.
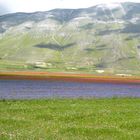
(69, 8)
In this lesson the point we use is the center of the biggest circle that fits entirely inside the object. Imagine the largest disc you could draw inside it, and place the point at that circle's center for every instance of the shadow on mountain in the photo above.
(101, 46)
(128, 38)
(132, 9)
(125, 58)
(65, 15)
(104, 14)
(107, 32)
(88, 26)
(136, 36)
(131, 28)
(132, 37)
(54, 46)
(98, 48)
(101, 65)
(2, 30)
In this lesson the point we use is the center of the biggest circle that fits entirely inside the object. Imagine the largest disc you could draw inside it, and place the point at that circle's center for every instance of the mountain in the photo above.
(99, 39)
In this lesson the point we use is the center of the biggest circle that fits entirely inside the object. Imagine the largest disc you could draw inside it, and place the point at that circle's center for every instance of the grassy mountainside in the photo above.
(103, 37)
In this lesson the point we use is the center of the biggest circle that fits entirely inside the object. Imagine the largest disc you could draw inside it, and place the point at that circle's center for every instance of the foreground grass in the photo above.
(70, 119)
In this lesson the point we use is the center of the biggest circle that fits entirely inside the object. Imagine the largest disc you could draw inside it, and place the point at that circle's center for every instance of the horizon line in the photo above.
(59, 8)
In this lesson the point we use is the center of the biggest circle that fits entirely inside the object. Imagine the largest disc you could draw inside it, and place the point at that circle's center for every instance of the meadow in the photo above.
(70, 119)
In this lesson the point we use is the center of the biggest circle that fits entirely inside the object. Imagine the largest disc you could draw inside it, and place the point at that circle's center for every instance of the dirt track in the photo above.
(68, 77)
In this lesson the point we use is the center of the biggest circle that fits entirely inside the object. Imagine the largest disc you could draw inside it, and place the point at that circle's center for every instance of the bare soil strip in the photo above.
(69, 77)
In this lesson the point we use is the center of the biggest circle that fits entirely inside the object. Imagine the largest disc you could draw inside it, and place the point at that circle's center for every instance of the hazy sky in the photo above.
(11, 6)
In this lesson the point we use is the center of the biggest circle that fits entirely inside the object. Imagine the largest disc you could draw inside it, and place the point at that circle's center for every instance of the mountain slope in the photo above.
(103, 38)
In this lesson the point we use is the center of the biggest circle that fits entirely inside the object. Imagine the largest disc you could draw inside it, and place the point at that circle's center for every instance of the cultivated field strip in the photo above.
(30, 89)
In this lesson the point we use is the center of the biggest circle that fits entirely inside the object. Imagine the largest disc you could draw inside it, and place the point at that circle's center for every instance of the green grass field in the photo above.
(70, 119)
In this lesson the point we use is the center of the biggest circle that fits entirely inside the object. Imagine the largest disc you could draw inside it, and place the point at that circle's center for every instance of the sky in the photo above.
(12, 6)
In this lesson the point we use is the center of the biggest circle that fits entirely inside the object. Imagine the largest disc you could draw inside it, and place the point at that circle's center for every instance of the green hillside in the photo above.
(92, 40)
